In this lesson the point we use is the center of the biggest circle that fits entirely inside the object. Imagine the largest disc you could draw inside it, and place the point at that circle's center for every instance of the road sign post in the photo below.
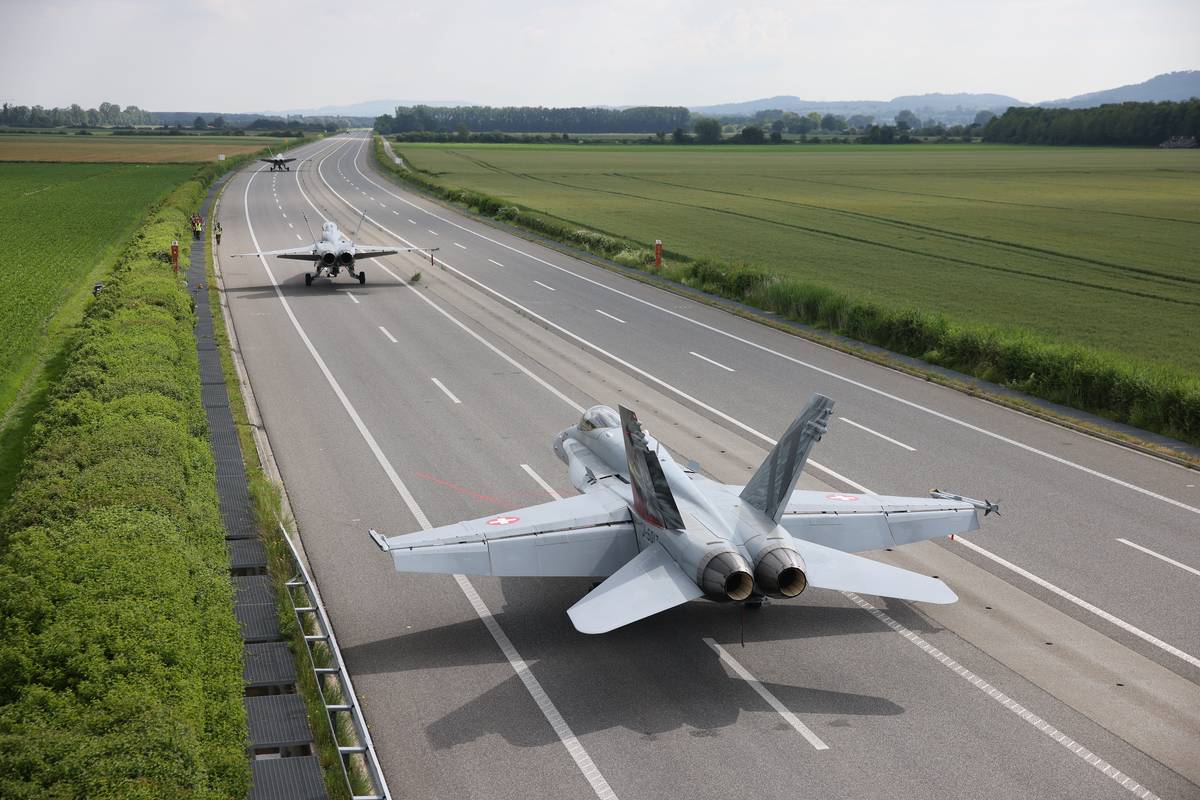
(658, 253)
(175, 256)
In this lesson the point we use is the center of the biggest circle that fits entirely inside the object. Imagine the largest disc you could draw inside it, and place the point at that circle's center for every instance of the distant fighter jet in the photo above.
(332, 253)
(662, 534)
(277, 162)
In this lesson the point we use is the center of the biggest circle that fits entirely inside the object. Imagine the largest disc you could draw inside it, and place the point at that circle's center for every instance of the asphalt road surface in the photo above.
(1069, 667)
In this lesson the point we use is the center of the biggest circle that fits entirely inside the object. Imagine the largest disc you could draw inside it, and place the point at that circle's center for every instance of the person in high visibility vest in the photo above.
(217, 231)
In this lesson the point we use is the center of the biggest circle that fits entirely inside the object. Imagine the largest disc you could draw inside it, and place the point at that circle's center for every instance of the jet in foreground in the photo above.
(332, 253)
(277, 162)
(662, 535)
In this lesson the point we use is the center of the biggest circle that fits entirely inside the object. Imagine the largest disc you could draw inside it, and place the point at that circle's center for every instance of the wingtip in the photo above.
(379, 539)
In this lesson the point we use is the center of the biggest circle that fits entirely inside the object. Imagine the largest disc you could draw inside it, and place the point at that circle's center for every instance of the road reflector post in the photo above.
(175, 256)
(658, 253)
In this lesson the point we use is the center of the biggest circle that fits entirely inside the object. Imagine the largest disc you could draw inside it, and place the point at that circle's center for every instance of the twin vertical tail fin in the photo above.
(771, 486)
(652, 497)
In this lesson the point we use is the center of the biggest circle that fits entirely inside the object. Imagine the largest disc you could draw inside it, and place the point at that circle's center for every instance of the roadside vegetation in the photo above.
(1067, 274)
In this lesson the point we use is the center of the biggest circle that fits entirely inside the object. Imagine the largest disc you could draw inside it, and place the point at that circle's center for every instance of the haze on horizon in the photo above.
(242, 56)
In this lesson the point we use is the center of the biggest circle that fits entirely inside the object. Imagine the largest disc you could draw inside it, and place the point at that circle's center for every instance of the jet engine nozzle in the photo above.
(328, 260)
(346, 258)
(726, 576)
(780, 573)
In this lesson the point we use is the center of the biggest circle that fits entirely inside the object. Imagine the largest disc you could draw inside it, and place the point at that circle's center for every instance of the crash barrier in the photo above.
(356, 750)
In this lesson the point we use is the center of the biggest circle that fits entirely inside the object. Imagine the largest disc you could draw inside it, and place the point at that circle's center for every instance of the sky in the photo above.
(246, 56)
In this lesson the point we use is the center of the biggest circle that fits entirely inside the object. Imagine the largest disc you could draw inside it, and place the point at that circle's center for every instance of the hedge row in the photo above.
(1153, 398)
(120, 658)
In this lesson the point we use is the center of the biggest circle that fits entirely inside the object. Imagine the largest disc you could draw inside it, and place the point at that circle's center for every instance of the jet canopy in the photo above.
(598, 418)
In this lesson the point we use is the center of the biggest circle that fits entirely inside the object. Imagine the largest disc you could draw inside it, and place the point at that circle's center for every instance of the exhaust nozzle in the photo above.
(328, 260)
(726, 576)
(780, 573)
(346, 258)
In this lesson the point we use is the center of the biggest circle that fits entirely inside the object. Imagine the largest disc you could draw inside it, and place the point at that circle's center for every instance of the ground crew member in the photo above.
(217, 231)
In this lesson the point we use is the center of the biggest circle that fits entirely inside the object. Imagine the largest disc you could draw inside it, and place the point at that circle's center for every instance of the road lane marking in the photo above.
(765, 694)
(1000, 697)
(1160, 556)
(381, 205)
(576, 750)
(544, 286)
(463, 246)
(1120, 623)
(610, 316)
(352, 297)
(390, 337)
(538, 480)
(449, 393)
(298, 236)
(877, 433)
(494, 261)
(290, 225)
(808, 365)
(709, 360)
(413, 221)
(285, 217)
(435, 233)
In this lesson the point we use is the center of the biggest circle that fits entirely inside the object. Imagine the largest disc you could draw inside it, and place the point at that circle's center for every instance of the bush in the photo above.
(120, 659)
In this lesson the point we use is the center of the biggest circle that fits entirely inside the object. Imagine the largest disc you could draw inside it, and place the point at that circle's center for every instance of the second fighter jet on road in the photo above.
(662, 534)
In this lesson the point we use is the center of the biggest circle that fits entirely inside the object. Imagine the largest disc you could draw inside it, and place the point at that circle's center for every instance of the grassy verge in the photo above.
(119, 653)
(266, 504)
(1152, 397)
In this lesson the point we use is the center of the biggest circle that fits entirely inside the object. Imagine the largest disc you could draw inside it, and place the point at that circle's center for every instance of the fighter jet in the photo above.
(277, 162)
(332, 253)
(661, 534)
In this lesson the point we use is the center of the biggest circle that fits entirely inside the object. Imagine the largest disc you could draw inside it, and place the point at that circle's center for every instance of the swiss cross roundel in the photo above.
(503, 520)
(846, 498)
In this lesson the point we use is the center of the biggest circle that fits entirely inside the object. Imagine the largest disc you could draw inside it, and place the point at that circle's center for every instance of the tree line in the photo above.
(74, 115)
(1114, 124)
(534, 119)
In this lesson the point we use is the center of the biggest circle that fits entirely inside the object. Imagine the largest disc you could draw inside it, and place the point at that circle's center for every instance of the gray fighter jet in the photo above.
(661, 534)
(277, 162)
(332, 253)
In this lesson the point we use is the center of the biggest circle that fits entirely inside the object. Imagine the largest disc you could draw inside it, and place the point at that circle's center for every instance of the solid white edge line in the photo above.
(547, 488)
(765, 694)
(449, 393)
(388, 335)
(576, 750)
(1000, 697)
(544, 286)
(877, 433)
(610, 316)
(1147, 637)
(829, 373)
(709, 360)
(1160, 556)
(1120, 623)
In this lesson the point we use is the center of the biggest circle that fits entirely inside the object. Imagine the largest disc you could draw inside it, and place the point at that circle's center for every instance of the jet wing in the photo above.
(589, 535)
(298, 253)
(277, 160)
(827, 568)
(368, 251)
(853, 523)
(649, 583)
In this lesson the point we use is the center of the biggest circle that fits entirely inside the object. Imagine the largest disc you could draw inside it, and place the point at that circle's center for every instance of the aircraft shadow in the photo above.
(293, 286)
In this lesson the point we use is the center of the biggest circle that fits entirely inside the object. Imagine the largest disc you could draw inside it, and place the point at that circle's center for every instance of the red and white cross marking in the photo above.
(503, 520)
(848, 498)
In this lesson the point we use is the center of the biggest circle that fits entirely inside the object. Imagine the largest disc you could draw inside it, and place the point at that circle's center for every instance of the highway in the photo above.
(1069, 668)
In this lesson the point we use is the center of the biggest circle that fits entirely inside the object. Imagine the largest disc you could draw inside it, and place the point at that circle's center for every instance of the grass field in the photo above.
(1099, 247)
(61, 222)
(131, 149)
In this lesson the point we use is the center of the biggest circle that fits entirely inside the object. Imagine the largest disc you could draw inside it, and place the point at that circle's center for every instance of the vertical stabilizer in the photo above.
(772, 484)
(652, 498)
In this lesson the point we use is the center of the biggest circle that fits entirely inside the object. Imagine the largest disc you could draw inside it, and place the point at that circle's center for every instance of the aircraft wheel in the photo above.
(362, 277)
(308, 279)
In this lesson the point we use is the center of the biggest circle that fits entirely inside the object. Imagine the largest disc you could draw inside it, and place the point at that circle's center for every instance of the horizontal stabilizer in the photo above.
(649, 583)
(827, 568)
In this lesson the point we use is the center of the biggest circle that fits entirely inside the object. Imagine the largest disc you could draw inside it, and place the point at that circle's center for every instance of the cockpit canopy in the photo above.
(598, 418)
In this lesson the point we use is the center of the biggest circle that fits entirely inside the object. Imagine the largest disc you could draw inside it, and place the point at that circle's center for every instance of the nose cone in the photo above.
(727, 576)
(780, 573)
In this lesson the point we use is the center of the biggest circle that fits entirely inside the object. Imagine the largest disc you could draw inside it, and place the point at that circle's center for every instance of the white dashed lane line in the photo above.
(714, 363)
(610, 316)
(352, 297)
(544, 286)
(431, 230)
(494, 261)
(877, 433)
(391, 338)
(1160, 556)
(298, 236)
(463, 246)
(448, 393)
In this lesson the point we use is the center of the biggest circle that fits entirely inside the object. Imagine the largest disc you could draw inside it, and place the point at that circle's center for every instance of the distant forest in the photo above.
(108, 114)
(1116, 124)
(534, 119)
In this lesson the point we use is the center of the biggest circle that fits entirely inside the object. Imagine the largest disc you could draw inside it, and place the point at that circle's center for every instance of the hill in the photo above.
(1176, 86)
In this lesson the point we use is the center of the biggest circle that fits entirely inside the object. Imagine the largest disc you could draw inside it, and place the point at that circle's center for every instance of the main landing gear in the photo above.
(360, 274)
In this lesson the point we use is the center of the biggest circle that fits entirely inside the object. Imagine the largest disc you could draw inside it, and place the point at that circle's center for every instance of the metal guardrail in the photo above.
(362, 750)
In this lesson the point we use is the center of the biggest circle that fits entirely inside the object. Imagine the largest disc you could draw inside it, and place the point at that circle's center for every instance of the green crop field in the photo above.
(60, 222)
(1099, 247)
(131, 149)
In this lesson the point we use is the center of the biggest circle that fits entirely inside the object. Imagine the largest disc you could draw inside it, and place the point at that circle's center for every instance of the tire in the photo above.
(362, 277)
(308, 279)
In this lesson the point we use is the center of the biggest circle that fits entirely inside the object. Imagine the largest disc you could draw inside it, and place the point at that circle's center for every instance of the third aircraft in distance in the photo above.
(662, 535)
